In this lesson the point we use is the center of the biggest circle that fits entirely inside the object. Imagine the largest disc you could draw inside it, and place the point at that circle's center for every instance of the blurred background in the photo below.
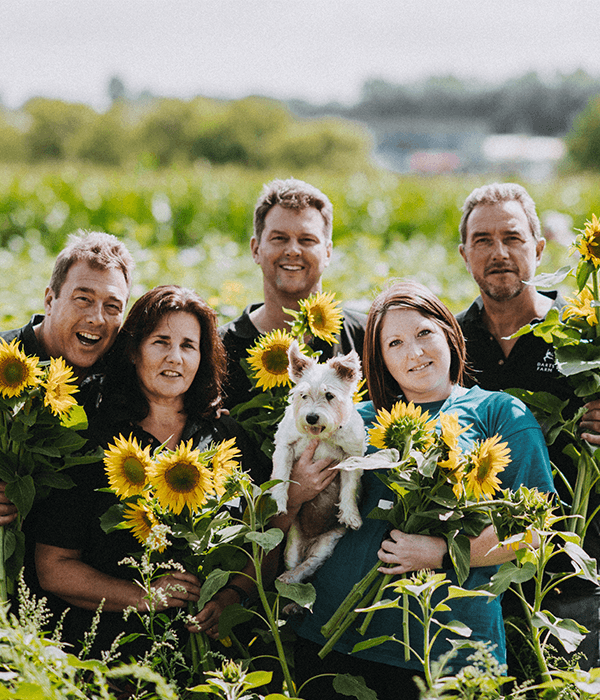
(160, 122)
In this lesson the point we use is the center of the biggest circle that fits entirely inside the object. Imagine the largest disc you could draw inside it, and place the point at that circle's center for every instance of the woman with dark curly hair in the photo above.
(162, 386)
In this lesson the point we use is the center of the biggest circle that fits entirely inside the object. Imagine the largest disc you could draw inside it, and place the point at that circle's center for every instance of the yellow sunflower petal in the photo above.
(269, 359)
(224, 463)
(140, 519)
(180, 479)
(126, 465)
(59, 392)
(450, 429)
(588, 242)
(581, 307)
(486, 460)
(17, 370)
(393, 428)
(323, 315)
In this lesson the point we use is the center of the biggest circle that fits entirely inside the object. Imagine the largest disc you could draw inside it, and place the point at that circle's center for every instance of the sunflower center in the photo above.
(133, 470)
(275, 360)
(13, 372)
(594, 244)
(182, 477)
(317, 317)
(484, 468)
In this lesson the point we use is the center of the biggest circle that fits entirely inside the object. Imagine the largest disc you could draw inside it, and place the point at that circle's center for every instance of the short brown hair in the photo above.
(291, 194)
(101, 251)
(383, 388)
(204, 394)
(494, 194)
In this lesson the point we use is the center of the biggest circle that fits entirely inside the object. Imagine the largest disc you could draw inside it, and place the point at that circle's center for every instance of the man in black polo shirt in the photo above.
(502, 245)
(84, 305)
(292, 244)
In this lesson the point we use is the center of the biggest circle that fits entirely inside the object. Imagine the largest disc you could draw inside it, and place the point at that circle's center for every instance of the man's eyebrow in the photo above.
(92, 292)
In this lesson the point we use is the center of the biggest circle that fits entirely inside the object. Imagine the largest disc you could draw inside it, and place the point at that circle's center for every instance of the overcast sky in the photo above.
(319, 50)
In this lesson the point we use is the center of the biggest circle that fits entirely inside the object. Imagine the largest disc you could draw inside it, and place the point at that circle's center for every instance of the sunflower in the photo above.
(323, 316)
(486, 460)
(361, 391)
(17, 370)
(126, 465)
(451, 429)
(140, 519)
(180, 479)
(404, 421)
(269, 359)
(58, 390)
(588, 242)
(224, 463)
(453, 466)
(581, 307)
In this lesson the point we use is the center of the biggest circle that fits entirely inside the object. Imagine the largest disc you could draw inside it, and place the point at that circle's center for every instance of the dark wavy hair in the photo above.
(383, 388)
(122, 395)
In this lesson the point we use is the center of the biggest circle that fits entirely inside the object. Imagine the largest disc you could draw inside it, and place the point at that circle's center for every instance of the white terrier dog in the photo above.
(320, 407)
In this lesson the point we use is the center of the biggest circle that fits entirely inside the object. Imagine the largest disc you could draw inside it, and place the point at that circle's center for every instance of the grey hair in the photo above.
(494, 194)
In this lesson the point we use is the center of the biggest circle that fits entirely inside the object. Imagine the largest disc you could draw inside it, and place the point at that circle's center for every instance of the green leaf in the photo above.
(568, 632)
(346, 684)
(113, 517)
(21, 492)
(459, 549)
(584, 270)
(584, 563)
(266, 540)
(458, 628)
(303, 594)
(549, 280)
(457, 592)
(76, 419)
(370, 643)
(509, 573)
(257, 678)
(56, 480)
(231, 616)
(69, 441)
(214, 582)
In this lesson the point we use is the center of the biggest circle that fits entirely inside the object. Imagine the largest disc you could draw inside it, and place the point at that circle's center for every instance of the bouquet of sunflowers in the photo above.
(178, 498)
(319, 316)
(575, 334)
(437, 490)
(38, 440)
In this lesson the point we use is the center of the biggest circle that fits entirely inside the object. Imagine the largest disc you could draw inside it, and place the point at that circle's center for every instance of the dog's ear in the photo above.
(347, 367)
(299, 363)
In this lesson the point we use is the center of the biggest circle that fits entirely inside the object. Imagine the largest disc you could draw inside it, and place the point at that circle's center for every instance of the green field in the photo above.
(192, 227)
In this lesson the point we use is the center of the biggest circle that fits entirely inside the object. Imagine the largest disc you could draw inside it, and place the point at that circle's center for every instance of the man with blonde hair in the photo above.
(292, 244)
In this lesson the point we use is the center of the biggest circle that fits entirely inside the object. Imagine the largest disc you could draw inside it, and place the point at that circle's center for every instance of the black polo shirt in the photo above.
(240, 335)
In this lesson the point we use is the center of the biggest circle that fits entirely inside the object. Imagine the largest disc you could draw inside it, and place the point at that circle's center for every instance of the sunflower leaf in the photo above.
(21, 492)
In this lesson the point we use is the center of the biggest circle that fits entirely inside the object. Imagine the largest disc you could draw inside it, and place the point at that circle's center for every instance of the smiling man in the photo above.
(292, 245)
(502, 245)
(84, 305)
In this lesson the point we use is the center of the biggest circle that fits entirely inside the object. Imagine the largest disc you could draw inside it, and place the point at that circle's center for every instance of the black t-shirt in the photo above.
(240, 335)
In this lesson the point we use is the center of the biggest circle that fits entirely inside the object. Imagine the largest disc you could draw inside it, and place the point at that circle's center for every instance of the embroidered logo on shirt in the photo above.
(548, 363)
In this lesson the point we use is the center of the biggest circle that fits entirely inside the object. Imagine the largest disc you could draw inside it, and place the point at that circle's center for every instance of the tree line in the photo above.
(254, 132)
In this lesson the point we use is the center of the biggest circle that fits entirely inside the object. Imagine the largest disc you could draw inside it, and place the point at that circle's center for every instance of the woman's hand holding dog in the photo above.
(308, 479)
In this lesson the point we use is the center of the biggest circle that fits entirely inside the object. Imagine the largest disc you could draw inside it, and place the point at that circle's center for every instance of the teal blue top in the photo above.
(490, 413)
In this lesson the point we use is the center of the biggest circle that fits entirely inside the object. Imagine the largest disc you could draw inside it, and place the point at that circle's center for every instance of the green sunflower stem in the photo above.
(3, 581)
(385, 579)
(199, 647)
(350, 602)
(346, 622)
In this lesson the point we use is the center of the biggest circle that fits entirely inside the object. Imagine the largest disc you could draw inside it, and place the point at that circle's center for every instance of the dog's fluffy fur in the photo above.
(320, 407)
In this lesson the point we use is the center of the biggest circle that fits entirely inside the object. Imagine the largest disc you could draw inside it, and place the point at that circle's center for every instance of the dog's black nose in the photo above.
(312, 418)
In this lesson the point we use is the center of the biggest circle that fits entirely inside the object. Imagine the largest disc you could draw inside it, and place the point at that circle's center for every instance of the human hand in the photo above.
(411, 552)
(174, 590)
(8, 510)
(309, 477)
(591, 421)
(207, 620)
